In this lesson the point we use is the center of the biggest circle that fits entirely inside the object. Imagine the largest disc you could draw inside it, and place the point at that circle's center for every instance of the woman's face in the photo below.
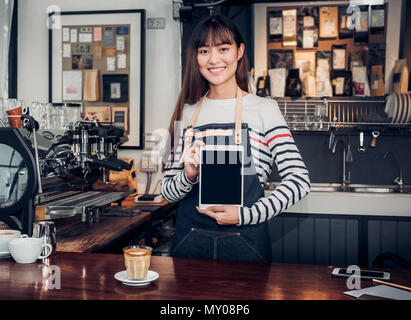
(218, 63)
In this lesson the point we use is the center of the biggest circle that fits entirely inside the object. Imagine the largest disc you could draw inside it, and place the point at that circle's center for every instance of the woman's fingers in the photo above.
(207, 212)
(217, 208)
(218, 216)
(198, 144)
(193, 156)
(224, 215)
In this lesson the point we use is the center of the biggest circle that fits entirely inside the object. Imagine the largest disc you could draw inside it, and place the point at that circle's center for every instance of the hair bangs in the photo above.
(214, 34)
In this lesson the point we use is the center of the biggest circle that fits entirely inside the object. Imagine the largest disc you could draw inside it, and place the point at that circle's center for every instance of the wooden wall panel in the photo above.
(291, 240)
(306, 240)
(322, 241)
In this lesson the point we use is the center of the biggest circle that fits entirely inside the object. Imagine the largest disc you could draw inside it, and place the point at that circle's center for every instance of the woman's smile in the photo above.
(216, 70)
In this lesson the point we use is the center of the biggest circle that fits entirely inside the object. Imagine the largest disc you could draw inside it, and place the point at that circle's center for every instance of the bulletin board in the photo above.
(97, 58)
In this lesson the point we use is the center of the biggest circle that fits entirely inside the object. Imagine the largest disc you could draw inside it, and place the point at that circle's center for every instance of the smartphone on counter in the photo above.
(364, 274)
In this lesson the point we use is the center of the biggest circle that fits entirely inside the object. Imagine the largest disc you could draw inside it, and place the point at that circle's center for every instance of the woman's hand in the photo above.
(191, 159)
(224, 215)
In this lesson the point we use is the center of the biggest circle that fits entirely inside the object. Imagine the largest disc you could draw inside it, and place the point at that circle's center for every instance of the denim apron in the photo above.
(200, 236)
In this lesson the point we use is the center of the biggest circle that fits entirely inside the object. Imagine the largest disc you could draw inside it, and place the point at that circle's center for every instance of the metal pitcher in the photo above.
(47, 231)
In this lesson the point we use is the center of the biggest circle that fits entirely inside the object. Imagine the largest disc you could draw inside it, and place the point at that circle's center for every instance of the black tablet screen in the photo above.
(221, 177)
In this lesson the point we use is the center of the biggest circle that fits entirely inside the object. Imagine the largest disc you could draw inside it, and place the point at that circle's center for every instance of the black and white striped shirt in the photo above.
(271, 143)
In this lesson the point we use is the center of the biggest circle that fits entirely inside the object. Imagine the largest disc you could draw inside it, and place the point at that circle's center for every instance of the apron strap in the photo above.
(190, 131)
(238, 117)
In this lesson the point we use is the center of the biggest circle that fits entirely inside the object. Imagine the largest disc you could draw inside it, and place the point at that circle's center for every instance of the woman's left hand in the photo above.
(224, 215)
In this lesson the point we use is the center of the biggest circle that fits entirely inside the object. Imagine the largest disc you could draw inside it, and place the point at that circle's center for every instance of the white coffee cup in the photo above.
(28, 250)
(8, 235)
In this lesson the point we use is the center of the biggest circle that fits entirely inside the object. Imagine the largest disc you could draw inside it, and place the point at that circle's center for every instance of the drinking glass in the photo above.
(3, 115)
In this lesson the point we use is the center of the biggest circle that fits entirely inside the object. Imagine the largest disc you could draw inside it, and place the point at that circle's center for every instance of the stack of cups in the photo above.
(14, 109)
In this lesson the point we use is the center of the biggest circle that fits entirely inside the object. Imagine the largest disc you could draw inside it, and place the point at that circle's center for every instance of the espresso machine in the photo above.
(52, 175)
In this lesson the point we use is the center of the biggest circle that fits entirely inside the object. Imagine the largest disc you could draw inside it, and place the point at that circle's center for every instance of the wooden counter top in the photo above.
(76, 236)
(91, 276)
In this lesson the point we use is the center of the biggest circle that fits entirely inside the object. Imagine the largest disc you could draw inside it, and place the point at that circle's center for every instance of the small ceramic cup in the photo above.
(28, 250)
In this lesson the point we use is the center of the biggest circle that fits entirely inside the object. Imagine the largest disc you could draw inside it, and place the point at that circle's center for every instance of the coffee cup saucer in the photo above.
(122, 277)
(4, 254)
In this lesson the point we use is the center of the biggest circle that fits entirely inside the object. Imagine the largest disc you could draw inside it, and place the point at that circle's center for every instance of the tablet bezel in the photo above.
(239, 148)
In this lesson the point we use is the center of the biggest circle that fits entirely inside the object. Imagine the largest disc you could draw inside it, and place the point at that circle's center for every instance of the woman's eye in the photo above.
(224, 49)
(202, 51)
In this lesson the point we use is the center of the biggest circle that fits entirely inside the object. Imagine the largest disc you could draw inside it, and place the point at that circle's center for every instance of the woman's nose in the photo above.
(213, 57)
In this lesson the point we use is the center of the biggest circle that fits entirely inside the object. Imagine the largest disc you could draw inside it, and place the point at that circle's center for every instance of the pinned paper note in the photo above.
(108, 36)
(111, 63)
(85, 37)
(97, 33)
(122, 30)
(66, 50)
(121, 61)
(73, 35)
(72, 85)
(66, 34)
(121, 43)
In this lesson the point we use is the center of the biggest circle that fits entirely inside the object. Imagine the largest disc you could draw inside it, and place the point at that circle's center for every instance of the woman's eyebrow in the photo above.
(215, 44)
(222, 43)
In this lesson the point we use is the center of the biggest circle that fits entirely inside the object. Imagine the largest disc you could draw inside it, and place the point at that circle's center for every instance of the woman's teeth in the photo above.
(216, 69)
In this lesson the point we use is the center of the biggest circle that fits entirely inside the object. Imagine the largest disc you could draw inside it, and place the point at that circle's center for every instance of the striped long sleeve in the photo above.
(276, 146)
(271, 144)
(175, 184)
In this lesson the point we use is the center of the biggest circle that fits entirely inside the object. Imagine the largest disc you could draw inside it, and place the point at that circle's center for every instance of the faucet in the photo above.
(345, 181)
(398, 180)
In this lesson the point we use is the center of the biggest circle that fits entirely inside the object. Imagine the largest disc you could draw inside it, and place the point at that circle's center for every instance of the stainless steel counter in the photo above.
(358, 200)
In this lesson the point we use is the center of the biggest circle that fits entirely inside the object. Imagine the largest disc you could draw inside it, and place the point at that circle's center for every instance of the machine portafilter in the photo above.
(96, 145)
(32, 125)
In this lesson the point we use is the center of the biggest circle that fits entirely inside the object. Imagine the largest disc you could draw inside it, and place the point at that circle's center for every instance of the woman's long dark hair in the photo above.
(221, 30)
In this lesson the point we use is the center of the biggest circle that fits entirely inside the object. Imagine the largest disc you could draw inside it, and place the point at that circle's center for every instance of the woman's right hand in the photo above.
(191, 159)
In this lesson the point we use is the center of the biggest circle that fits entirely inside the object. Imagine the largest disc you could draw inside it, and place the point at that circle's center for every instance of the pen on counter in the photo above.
(392, 284)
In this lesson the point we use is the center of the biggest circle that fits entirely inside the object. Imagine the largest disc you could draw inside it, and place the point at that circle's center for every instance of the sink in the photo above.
(357, 188)
(379, 188)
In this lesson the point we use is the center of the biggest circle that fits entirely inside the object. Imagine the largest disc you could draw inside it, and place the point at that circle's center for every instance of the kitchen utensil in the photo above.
(361, 147)
(349, 158)
(45, 230)
(332, 138)
(375, 135)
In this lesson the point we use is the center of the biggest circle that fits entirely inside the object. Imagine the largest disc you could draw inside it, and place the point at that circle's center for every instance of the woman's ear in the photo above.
(240, 51)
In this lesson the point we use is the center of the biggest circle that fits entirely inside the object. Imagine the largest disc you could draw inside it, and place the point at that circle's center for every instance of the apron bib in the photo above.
(200, 236)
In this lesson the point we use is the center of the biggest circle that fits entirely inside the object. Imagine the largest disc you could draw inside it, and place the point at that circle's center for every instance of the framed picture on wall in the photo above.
(87, 40)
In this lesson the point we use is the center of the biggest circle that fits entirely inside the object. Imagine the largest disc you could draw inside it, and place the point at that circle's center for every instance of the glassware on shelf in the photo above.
(309, 122)
(320, 117)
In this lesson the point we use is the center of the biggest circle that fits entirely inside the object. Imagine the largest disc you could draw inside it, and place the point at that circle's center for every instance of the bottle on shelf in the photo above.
(263, 85)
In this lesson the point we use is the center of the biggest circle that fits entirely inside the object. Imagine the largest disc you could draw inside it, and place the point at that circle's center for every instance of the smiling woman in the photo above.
(215, 108)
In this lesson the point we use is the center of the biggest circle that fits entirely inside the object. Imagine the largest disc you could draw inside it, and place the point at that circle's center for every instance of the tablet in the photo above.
(221, 176)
